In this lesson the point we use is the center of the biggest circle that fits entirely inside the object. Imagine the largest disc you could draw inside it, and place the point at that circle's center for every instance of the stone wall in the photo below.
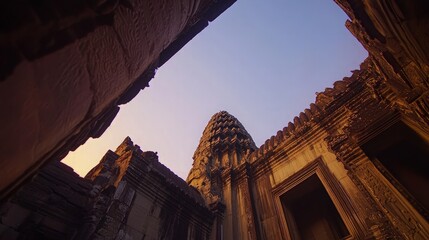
(53, 205)
(66, 67)
(328, 140)
(129, 195)
(148, 200)
(238, 187)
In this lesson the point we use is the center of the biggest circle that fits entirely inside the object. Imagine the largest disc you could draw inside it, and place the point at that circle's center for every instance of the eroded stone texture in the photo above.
(224, 145)
(51, 206)
(361, 148)
(395, 35)
(65, 67)
(360, 139)
(128, 195)
(146, 199)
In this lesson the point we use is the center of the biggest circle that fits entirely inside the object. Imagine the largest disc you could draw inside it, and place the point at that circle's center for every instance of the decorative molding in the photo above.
(400, 188)
(397, 209)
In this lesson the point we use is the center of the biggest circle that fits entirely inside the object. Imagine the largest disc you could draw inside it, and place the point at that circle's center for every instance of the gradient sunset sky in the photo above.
(262, 61)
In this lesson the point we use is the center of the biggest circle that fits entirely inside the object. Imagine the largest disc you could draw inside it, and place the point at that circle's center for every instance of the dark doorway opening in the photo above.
(310, 212)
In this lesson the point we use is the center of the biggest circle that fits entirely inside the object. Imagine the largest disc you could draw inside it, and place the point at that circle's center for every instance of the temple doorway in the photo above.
(310, 212)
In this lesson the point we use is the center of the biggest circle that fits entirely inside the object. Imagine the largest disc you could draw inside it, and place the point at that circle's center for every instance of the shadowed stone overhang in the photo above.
(65, 67)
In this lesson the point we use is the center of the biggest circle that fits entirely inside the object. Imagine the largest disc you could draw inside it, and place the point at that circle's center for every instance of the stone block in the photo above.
(15, 215)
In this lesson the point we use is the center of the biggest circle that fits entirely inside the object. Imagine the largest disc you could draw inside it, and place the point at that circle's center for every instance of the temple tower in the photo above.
(220, 173)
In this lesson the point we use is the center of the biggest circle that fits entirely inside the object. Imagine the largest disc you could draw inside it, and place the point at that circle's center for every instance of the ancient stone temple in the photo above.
(353, 165)
(128, 195)
(67, 66)
(147, 200)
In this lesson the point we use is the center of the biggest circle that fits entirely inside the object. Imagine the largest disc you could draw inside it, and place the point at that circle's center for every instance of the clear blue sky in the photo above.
(262, 61)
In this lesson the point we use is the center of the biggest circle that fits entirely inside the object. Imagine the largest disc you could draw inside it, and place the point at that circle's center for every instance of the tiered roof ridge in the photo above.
(302, 121)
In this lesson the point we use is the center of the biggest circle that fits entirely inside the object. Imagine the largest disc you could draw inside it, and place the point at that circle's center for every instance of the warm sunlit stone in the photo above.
(352, 166)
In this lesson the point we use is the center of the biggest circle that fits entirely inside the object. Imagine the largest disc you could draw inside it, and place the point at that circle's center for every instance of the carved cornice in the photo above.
(340, 146)
(371, 120)
(241, 173)
(327, 102)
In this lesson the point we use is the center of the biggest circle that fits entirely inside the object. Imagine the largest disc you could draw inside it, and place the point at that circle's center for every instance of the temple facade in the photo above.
(128, 195)
(353, 165)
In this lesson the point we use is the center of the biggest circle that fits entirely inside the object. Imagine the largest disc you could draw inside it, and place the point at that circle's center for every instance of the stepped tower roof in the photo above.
(225, 144)
(224, 133)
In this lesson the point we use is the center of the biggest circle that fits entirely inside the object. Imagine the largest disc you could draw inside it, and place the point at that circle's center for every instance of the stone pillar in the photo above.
(245, 201)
